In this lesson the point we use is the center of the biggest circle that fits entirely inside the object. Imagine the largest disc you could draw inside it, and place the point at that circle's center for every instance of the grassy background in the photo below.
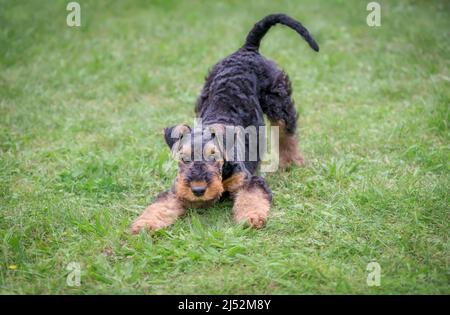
(81, 111)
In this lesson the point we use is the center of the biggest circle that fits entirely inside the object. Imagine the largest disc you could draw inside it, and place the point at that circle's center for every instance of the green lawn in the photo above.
(82, 154)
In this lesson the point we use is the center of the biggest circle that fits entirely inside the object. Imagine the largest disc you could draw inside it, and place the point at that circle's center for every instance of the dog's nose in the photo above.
(198, 190)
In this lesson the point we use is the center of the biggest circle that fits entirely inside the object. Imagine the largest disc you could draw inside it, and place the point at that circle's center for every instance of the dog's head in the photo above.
(200, 155)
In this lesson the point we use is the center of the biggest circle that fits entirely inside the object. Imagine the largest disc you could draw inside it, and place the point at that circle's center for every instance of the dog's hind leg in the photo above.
(277, 104)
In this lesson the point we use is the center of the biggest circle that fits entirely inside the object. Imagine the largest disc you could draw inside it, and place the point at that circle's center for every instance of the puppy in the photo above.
(237, 92)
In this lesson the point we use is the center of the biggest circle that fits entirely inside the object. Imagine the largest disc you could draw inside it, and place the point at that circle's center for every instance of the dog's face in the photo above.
(200, 159)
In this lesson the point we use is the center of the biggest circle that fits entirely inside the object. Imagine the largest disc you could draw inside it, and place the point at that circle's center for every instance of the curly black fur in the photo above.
(245, 85)
(238, 91)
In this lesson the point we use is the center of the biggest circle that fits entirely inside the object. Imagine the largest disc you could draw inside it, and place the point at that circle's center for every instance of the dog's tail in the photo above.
(260, 29)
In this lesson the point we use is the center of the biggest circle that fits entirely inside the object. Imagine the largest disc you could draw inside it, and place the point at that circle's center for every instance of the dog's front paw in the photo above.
(142, 224)
(254, 218)
(162, 213)
(251, 206)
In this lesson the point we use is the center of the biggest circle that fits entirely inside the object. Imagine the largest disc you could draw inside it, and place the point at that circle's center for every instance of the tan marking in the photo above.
(160, 214)
(181, 130)
(289, 151)
(182, 190)
(251, 207)
(213, 192)
(219, 131)
(217, 128)
(185, 152)
(211, 150)
(235, 182)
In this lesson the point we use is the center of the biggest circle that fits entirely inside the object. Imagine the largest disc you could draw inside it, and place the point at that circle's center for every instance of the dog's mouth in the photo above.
(202, 197)
(199, 194)
(200, 202)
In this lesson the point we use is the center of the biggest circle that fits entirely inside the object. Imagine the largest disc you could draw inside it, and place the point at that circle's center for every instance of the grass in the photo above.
(81, 113)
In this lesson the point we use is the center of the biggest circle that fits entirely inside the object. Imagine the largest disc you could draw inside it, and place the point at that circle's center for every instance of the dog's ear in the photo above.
(175, 133)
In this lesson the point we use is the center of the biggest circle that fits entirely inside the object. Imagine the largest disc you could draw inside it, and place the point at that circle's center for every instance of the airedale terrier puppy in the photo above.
(237, 92)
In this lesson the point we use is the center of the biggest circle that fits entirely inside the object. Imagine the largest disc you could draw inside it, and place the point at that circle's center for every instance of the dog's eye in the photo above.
(185, 159)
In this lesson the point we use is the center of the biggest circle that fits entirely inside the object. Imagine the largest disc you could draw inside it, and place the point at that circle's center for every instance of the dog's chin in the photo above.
(200, 202)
